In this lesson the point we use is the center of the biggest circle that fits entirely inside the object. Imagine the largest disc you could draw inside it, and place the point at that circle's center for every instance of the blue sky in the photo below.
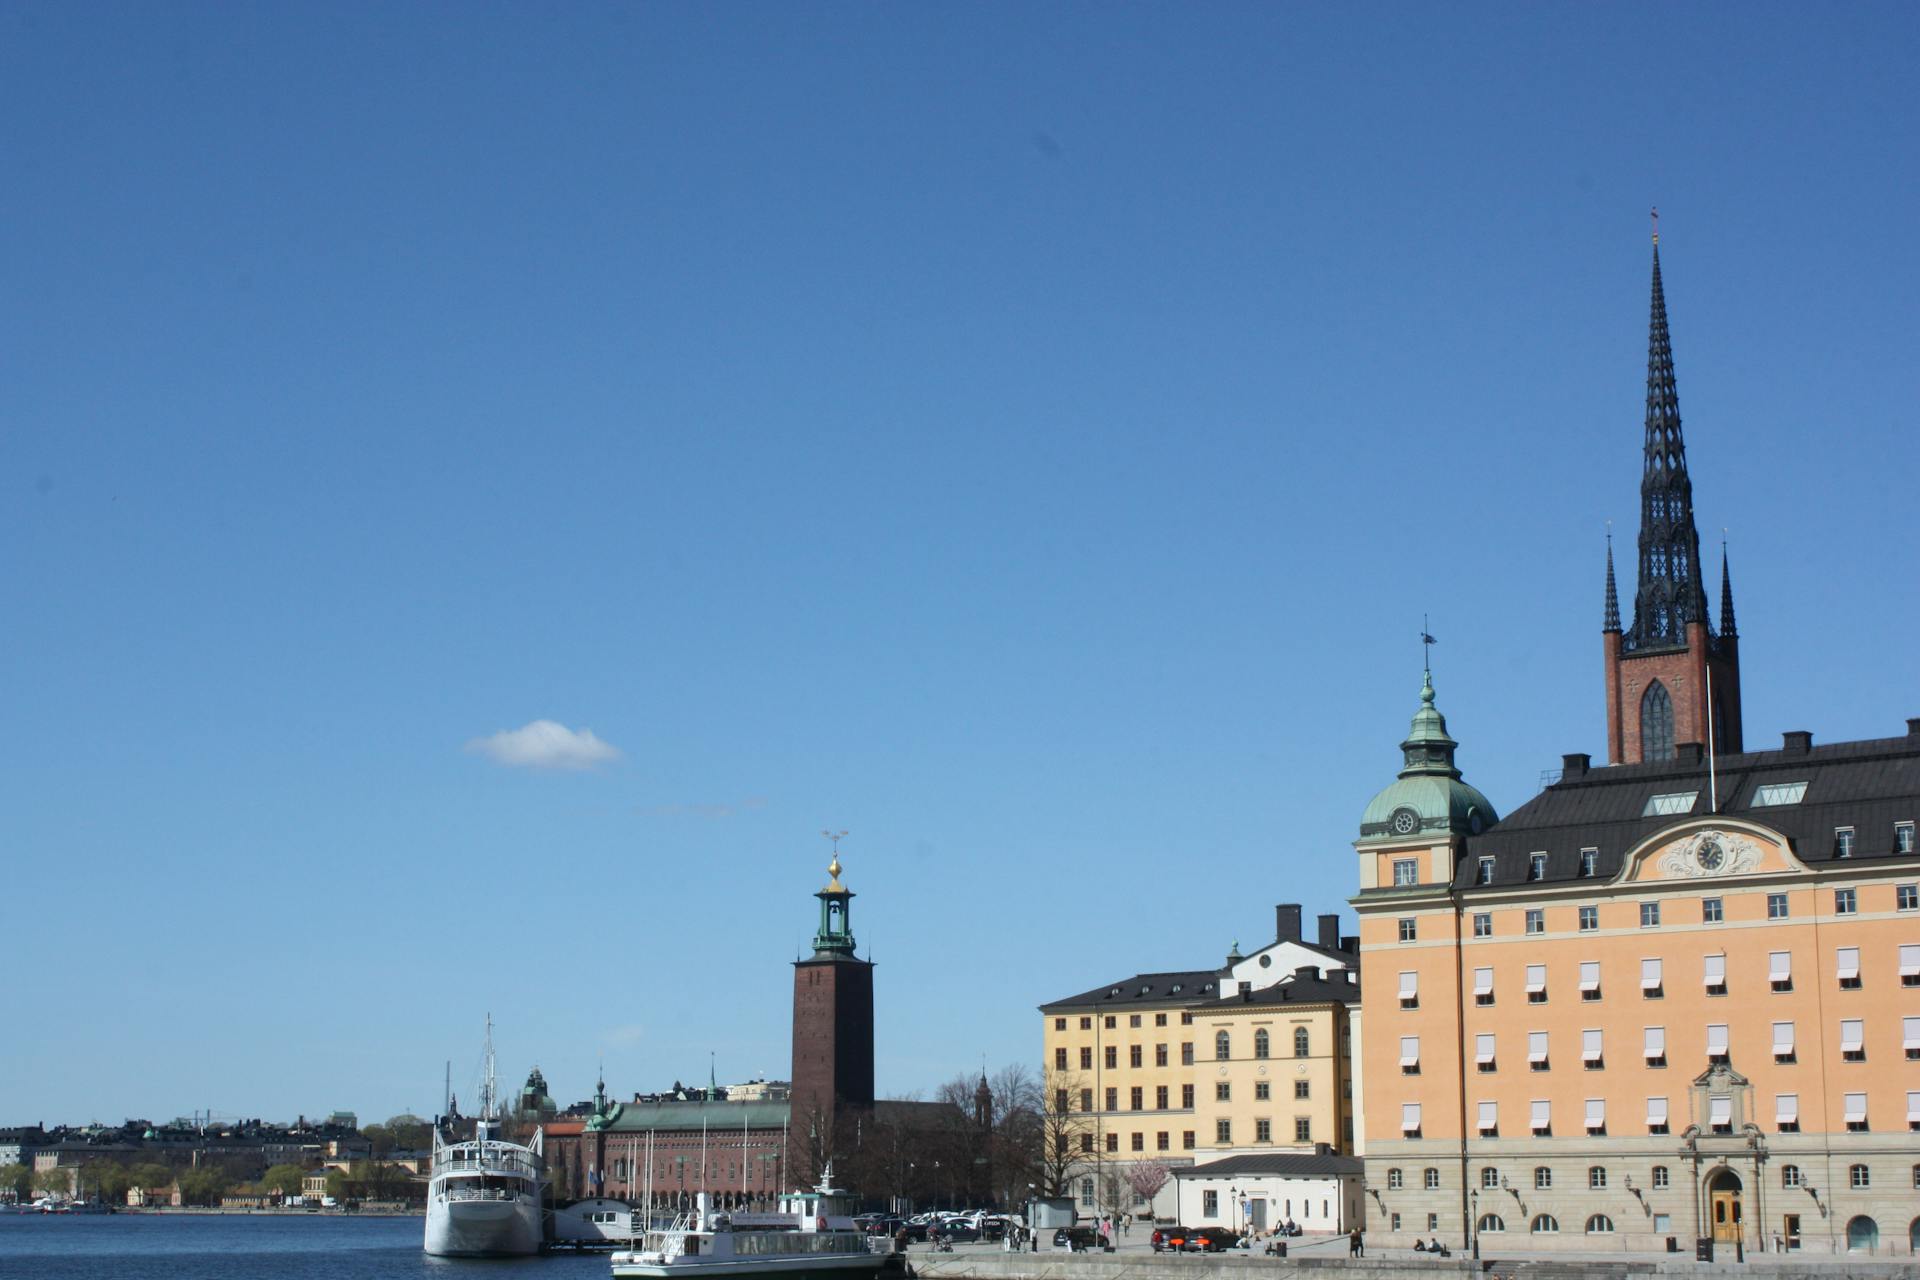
(1025, 436)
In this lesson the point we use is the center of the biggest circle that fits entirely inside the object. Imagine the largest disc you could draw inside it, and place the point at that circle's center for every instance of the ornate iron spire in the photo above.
(1727, 629)
(1611, 622)
(1669, 595)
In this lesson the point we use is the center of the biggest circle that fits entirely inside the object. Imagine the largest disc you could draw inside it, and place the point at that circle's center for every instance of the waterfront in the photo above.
(243, 1247)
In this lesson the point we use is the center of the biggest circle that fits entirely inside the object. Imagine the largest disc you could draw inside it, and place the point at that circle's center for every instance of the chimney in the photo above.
(1689, 753)
(1307, 973)
(1286, 922)
(1797, 742)
(1351, 944)
(1330, 933)
(1574, 764)
(1913, 726)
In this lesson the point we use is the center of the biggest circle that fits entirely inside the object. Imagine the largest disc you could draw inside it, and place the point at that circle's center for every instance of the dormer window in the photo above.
(1670, 804)
(1903, 837)
(1536, 866)
(1483, 873)
(1778, 793)
(1843, 842)
(1589, 861)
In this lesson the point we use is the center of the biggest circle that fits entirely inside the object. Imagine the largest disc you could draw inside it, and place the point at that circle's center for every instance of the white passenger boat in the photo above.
(484, 1198)
(811, 1237)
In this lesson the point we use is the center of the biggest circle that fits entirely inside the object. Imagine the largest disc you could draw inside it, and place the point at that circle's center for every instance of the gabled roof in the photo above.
(1867, 785)
(1189, 987)
(1290, 991)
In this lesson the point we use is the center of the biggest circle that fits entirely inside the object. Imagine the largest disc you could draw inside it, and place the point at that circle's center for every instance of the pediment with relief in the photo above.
(1704, 851)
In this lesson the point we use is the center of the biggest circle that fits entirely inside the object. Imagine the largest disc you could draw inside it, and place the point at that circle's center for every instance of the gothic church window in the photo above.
(1656, 723)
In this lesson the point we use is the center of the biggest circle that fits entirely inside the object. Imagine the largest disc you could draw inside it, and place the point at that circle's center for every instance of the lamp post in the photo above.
(1473, 1222)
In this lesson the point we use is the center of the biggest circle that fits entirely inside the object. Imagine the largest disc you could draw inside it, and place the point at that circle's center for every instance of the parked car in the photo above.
(1078, 1239)
(1212, 1240)
(1171, 1239)
(960, 1231)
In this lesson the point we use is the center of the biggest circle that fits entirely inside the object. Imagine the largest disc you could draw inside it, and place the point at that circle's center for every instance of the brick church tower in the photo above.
(832, 1023)
(1670, 676)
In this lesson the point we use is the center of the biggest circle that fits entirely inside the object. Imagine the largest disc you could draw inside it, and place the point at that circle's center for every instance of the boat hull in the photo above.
(799, 1267)
(483, 1228)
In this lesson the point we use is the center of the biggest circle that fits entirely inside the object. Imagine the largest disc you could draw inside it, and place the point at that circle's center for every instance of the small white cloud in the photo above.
(545, 744)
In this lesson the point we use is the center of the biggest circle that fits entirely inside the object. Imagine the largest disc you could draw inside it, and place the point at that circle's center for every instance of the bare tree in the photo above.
(1065, 1135)
(1147, 1178)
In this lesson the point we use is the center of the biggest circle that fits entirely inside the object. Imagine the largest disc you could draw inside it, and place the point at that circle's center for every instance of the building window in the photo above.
(1711, 911)
(1536, 984)
(1545, 1224)
(1649, 915)
(1060, 1059)
(1395, 1223)
(1393, 1179)
(1134, 1052)
(1301, 1089)
(1536, 921)
(1059, 1024)
(1542, 1178)
(1903, 837)
(1670, 805)
(1778, 793)
(1491, 1224)
(1717, 1042)
(1846, 967)
(1843, 842)
(1210, 1204)
(1597, 1177)
(1222, 1091)
(1483, 986)
(1910, 964)
(1656, 1047)
(1108, 1020)
(1302, 1129)
(1133, 1020)
(1433, 1222)
(1086, 1142)
(1483, 1052)
(1410, 1055)
(1482, 924)
(1137, 1097)
(1783, 1042)
(1858, 1178)
(1780, 970)
(1591, 1052)
(1599, 1225)
(1186, 1097)
(1260, 1043)
(1489, 1179)
(1086, 1191)
(1186, 1016)
(1113, 1099)
(1060, 1101)
(1223, 1131)
(1483, 871)
(1906, 897)
(1086, 1099)
(1407, 930)
(1431, 1179)
(1300, 1043)
(1589, 919)
(1589, 979)
(1776, 906)
(1159, 1019)
(1110, 1056)
(1661, 1179)
(1406, 871)
(1589, 862)
(1086, 1024)
(1714, 974)
(1853, 1043)
(1537, 1051)
(1086, 1058)
(1536, 866)
(1160, 1142)
(1786, 1112)
(1138, 1142)
(1160, 1055)
(1186, 1140)
(1844, 902)
(1160, 1097)
(1261, 1091)
(1656, 723)
(1186, 1053)
(1790, 1176)
(1657, 1115)
(1222, 1046)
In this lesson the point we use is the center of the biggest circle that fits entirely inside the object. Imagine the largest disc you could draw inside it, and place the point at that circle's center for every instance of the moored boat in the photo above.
(483, 1199)
(811, 1237)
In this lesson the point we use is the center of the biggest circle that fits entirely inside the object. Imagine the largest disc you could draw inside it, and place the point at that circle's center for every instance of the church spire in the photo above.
(1727, 629)
(1669, 595)
(1611, 622)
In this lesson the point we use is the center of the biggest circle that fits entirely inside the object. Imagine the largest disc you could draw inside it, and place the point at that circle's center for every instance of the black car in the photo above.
(1079, 1239)
(1212, 1240)
(960, 1231)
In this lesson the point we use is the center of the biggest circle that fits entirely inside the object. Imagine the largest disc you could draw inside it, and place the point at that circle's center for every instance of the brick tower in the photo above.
(832, 1025)
(1669, 672)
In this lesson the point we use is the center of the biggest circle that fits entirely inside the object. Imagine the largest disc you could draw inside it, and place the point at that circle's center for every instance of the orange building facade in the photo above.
(1670, 1000)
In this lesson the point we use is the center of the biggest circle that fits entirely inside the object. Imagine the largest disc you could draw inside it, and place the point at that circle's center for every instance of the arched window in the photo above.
(1299, 1042)
(1545, 1224)
(1599, 1225)
(1789, 1175)
(1393, 1179)
(1223, 1046)
(1656, 723)
(1260, 1043)
(1490, 1222)
(1863, 1235)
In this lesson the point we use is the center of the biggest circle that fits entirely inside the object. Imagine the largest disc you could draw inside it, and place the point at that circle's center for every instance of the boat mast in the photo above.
(486, 1086)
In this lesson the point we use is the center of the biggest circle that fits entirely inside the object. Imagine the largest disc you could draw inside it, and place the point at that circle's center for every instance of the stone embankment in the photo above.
(1137, 1266)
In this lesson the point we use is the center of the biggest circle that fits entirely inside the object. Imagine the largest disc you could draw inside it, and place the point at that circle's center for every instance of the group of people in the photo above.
(1435, 1247)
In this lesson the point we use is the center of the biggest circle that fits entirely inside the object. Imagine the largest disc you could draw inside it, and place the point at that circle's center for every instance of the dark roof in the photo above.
(1286, 1165)
(1146, 989)
(1868, 785)
(1294, 990)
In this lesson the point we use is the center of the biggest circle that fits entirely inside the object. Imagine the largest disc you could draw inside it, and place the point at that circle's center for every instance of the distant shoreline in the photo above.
(194, 1211)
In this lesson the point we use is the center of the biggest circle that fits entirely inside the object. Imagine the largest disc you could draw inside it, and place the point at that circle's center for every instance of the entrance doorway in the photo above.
(1723, 1200)
(1257, 1214)
(1790, 1231)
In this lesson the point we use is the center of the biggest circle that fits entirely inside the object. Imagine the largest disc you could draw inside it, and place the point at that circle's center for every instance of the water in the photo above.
(151, 1246)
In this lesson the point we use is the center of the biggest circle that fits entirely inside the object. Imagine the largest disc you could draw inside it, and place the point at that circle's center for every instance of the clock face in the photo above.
(1405, 822)
(1710, 855)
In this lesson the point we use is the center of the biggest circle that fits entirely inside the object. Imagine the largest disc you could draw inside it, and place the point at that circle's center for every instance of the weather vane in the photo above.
(1426, 645)
(1656, 223)
(836, 837)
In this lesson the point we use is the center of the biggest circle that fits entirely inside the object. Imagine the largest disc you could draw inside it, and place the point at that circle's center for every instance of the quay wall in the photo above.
(1133, 1266)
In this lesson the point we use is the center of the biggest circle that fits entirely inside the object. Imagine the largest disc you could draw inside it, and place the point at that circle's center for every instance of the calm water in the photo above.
(248, 1247)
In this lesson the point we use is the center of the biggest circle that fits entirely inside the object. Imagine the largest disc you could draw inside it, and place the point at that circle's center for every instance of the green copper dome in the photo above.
(1429, 797)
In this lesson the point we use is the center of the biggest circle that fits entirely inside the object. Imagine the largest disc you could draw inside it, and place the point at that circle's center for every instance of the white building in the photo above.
(1320, 1192)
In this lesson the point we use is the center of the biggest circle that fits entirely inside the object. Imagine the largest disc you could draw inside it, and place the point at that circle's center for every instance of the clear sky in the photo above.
(1025, 436)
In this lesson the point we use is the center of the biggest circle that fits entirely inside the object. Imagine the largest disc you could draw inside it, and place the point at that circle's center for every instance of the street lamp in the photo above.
(1473, 1222)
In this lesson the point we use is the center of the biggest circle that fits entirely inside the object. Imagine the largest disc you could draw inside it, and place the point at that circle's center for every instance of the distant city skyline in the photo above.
(484, 494)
